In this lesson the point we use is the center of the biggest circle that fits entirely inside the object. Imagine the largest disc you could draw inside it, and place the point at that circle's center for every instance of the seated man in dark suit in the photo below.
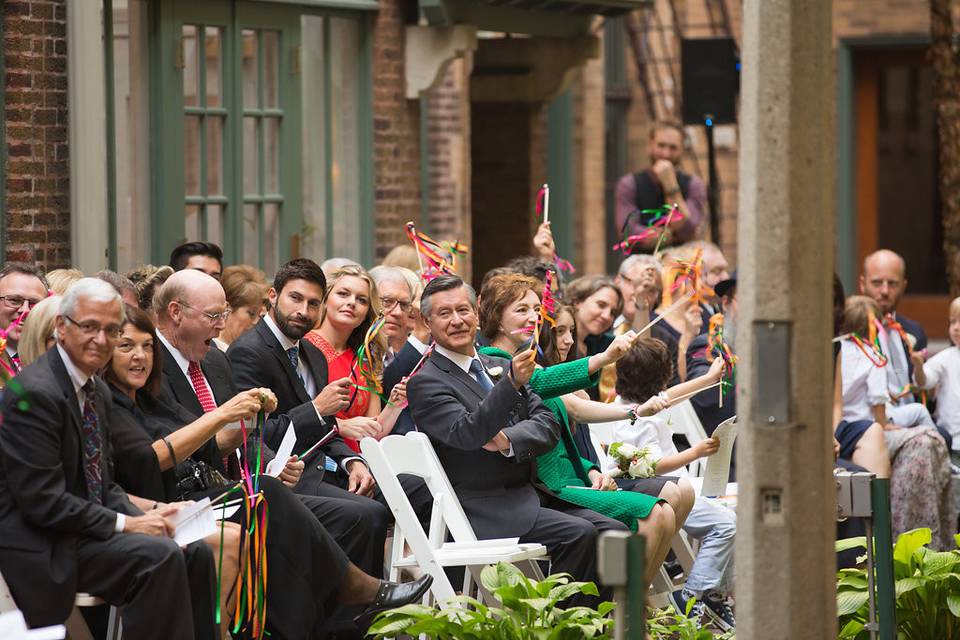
(488, 434)
(884, 279)
(64, 525)
(199, 378)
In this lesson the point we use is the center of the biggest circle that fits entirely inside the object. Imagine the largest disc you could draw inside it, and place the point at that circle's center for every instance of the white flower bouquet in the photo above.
(631, 461)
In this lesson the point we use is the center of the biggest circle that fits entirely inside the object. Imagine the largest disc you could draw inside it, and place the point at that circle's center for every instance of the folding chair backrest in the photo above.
(414, 455)
(684, 421)
(605, 432)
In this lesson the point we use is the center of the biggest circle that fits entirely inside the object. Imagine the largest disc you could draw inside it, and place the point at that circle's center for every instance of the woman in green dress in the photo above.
(509, 305)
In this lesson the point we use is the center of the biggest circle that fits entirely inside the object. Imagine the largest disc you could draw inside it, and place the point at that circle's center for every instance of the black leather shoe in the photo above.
(391, 595)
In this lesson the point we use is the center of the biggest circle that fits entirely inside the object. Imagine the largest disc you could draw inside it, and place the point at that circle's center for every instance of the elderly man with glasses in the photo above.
(21, 288)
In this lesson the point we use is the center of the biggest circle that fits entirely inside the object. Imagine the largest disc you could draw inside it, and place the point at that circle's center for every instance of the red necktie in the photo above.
(209, 404)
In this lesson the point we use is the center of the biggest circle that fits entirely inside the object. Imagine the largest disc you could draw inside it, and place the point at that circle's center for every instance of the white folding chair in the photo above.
(413, 454)
(77, 628)
(683, 420)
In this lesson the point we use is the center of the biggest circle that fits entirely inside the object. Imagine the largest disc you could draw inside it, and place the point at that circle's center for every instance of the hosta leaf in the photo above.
(953, 602)
(850, 630)
(850, 543)
(905, 585)
(907, 544)
(936, 562)
(606, 607)
(850, 601)
(538, 604)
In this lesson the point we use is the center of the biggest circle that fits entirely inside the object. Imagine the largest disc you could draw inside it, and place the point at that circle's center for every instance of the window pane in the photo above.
(313, 242)
(214, 155)
(271, 69)
(192, 219)
(251, 234)
(345, 42)
(213, 70)
(271, 149)
(215, 224)
(251, 148)
(271, 237)
(191, 154)
(251, 82)
(191, 74)
(907, 154)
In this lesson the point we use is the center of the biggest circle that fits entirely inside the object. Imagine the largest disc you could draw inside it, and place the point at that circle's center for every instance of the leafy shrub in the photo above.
(528, 611)
(927, 590)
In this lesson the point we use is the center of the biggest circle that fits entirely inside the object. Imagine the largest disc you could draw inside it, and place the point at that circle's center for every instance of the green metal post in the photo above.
(883, 558)
(636, 618)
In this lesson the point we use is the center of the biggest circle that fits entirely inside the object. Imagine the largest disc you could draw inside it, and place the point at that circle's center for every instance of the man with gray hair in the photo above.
(64, 525)
(396, 298)
(638, 280)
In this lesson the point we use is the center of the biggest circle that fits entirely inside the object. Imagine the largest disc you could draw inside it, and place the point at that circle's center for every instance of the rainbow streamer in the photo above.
(686, 276)
(250, 612)
(440, 258)
(720, 349)
(548, 310)
(656, 225)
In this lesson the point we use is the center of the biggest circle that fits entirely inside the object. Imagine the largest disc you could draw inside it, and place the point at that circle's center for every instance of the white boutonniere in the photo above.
(495, 372)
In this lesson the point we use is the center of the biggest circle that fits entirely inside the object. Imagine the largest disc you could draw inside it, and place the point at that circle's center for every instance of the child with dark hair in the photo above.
(643, 373)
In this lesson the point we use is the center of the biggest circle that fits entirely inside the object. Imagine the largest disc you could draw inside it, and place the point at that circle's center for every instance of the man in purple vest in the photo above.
(662, 183)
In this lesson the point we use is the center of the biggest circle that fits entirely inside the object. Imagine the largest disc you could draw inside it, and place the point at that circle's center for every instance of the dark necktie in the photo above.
(15, 359)
(476, 368)
(294, 354)
(91, 445)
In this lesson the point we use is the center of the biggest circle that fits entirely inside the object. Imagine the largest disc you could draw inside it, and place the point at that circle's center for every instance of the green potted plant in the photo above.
(927, 590)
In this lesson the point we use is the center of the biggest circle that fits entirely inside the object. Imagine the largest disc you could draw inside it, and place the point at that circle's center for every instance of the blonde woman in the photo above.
(350, 306)
(38, 330)
(62, 279)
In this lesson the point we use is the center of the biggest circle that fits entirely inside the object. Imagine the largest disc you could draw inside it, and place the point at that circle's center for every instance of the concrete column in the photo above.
(785, 561)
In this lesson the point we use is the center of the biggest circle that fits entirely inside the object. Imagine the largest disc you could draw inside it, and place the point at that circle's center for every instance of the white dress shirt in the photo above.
(78, 378)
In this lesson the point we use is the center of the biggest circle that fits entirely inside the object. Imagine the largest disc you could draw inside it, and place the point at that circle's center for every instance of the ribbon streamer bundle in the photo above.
(548, 310)
(435, 258)
(657, 224)
(364, 365)
(686, 276)
(872, 347)
(250, 611)
(720, 349)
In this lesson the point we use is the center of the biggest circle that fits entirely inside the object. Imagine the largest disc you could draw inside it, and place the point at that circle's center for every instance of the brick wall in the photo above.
(851, 19)
(35, 94)
(396, 131)
(448, 137)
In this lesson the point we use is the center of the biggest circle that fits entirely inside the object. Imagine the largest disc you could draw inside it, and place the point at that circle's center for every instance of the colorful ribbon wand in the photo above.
(543, 210)
(720, 349)
(439, 259)
(660, 219)
(363, 365)
(548, 310)
(685, 276)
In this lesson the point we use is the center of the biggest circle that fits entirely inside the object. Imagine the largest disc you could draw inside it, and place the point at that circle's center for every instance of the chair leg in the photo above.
(114, 625)
(77, 628)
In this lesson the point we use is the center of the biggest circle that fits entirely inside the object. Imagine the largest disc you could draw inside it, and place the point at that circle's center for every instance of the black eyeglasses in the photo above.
(90, 328)
(212, 317)
(16, 302)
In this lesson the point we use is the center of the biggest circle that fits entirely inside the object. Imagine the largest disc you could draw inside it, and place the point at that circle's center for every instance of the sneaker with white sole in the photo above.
(720, 610)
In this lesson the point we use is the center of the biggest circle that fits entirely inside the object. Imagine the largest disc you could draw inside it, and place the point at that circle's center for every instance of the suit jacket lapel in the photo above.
(283, 360)
(465, 379)
(66, 386)
(316, 364)
(180, 386)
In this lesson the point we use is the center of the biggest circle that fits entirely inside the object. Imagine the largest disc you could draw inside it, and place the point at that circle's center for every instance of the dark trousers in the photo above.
(570, 535)
(147, 577)
(358, 524)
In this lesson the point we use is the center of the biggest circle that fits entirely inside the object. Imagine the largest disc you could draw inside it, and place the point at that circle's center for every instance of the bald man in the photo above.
(884, 279)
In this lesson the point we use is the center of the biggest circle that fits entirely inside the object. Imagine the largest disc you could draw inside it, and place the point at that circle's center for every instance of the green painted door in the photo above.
(226, 128)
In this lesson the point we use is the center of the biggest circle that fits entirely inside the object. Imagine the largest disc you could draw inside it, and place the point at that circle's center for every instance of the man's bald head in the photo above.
(884, 279)
(191, 310)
